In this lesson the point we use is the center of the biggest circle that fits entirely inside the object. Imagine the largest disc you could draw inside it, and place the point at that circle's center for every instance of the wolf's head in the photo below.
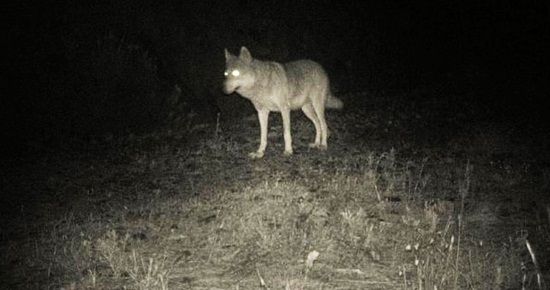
(238, 72)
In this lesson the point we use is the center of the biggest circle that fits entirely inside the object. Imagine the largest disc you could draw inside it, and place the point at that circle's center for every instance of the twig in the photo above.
(540, 280)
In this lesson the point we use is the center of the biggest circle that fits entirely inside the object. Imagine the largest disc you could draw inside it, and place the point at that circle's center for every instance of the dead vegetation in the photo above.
(158, 211)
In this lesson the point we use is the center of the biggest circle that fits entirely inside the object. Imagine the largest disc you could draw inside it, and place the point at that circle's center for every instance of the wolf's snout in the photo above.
(229, 88)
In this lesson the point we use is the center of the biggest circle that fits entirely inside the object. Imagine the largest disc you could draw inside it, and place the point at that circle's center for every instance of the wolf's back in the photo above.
(306, 75)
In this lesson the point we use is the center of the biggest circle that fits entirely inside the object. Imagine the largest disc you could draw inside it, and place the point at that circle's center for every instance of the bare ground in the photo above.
(409, 196)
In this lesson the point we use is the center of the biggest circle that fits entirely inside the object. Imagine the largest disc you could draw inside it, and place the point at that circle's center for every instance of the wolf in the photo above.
(281, 87)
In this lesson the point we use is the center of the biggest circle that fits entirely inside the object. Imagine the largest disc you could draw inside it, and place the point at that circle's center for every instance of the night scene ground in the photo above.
(125, 166)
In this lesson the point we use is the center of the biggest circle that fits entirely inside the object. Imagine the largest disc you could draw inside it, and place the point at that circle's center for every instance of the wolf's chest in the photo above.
(280, 101)
(274, 102)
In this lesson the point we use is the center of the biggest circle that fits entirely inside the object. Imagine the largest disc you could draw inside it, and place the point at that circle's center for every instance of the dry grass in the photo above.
(154, 216)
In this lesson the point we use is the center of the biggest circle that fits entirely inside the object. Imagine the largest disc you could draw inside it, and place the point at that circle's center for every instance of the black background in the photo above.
(78, 69)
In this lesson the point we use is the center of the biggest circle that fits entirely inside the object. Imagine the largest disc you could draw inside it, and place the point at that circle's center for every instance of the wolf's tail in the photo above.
(334, 103)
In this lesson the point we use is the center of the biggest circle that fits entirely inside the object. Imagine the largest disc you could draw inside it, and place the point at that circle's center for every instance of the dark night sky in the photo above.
(51, 62)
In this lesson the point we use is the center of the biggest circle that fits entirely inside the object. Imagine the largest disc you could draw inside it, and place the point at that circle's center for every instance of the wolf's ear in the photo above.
(245, 55)
(227, 54)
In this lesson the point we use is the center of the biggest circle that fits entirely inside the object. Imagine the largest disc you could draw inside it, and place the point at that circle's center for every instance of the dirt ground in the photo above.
(411, 194)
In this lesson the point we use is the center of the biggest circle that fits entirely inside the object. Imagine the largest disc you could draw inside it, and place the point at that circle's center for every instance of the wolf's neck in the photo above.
(266, 73)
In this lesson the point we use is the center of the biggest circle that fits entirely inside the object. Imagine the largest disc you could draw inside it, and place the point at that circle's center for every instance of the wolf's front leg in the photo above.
(285, 113)
(263, 116)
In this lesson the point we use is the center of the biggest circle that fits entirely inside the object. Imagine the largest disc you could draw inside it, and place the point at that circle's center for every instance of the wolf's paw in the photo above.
(287, 153)
(256, 154)
(313, 145)
(318, 146)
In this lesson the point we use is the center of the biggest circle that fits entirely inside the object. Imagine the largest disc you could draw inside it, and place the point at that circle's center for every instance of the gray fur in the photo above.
(272, 86)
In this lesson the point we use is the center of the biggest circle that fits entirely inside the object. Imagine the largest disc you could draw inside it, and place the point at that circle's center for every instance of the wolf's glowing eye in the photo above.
(235, 73)
(225, 73)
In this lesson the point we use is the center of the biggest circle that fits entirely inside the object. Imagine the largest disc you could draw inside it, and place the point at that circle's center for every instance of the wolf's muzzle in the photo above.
(228, 89)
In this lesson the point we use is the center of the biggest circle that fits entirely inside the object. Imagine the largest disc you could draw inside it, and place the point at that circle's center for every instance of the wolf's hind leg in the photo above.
(310, 114)
(319, 108)
(286, 128)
